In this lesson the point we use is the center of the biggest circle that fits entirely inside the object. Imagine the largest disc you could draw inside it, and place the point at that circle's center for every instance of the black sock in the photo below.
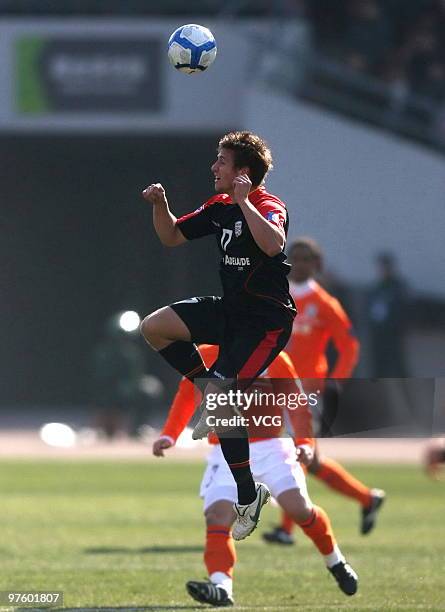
(236, 453)
(185, 358)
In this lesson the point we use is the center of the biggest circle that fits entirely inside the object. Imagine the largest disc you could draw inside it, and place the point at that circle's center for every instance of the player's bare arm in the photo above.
(164, 220)
(268, 237)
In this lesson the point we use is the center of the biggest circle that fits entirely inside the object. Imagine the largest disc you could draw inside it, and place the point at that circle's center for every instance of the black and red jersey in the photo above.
(249, 277)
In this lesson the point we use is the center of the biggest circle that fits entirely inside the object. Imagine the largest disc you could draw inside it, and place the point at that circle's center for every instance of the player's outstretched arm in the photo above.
(164, 220)
(179, 415)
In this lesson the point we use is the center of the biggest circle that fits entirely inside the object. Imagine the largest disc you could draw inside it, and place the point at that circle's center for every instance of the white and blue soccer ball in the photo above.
(192, 48)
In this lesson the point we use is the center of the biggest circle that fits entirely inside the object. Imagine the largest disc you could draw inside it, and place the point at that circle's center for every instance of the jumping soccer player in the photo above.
(321, 318)
(277, 463)
(252, 322)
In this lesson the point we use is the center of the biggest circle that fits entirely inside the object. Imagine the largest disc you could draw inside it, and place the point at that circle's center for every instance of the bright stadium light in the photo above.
(129, 321)
(58, 434)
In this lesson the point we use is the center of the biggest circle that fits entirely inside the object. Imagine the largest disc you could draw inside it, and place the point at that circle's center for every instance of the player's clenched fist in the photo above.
(241, 188)
(160, 445)
(155, 194)
(305, 454)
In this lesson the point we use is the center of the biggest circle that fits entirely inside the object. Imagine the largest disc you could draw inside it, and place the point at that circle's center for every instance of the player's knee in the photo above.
(149, 328)
(303, 511)
(162, 327)
(146, 328)
(299, 508)
(219, 515)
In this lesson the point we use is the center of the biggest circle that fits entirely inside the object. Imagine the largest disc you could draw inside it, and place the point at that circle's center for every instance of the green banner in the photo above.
(30, 91)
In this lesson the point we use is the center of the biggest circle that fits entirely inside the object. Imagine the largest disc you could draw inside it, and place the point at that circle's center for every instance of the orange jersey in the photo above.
(188, 397)
(320, 318)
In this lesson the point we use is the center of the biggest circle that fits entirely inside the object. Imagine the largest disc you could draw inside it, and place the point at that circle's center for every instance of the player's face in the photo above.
(304, 264)
(224, 171)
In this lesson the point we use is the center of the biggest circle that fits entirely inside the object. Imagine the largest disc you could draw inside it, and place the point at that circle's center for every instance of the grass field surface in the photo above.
(119, 535)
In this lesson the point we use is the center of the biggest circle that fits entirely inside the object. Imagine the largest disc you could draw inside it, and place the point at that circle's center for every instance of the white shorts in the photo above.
(272, 461)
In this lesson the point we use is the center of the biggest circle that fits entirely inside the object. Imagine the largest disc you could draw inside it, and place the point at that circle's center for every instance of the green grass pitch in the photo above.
(126, 535)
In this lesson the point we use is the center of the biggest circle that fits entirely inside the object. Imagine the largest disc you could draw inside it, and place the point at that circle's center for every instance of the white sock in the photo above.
(223, 580)
(334, 557)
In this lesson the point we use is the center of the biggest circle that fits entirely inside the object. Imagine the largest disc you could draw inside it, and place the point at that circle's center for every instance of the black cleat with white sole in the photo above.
(209, 593)
(345, 576)
(369, 514)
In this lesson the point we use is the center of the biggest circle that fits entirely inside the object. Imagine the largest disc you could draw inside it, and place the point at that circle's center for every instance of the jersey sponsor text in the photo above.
(236, 261)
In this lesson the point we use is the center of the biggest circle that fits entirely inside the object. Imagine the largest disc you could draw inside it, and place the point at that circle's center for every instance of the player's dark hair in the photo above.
(251, 151)
(312, 246)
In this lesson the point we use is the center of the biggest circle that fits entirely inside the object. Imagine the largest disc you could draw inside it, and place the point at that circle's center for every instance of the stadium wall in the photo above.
(77, 245)
(355, 189)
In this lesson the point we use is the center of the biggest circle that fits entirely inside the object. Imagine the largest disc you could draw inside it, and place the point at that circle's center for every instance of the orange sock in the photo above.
(318, 528)
(337, 478)
(219, 554)
(287, 523)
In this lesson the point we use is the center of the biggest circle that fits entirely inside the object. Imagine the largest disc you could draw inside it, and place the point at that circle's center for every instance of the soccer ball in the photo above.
(191, 48)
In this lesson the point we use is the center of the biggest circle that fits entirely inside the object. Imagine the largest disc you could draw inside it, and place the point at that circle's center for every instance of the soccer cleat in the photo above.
(278, 536)
(248, 516)
(345, 576)
(207, 592)
(202, 429)
(369, 514)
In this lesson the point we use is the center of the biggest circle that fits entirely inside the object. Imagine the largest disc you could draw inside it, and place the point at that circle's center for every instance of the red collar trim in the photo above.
(254, 196)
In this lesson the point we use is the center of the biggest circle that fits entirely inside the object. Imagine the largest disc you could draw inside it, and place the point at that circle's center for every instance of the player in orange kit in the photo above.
(321, 319)
(274, 462)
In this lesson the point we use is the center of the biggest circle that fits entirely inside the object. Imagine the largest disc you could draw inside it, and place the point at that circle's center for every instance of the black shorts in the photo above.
(248, 343)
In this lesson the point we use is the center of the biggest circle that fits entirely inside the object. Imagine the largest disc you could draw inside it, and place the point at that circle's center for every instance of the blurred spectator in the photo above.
(404, 15)
(387, 316)
(122, 392)
(329, 21)
(368, 36)
(425, 66)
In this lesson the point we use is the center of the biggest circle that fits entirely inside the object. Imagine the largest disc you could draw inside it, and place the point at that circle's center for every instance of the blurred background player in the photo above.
(123, 394)
(321, 319)
(274, 462)
(435, 459)
(253, 320)
(387, 316)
